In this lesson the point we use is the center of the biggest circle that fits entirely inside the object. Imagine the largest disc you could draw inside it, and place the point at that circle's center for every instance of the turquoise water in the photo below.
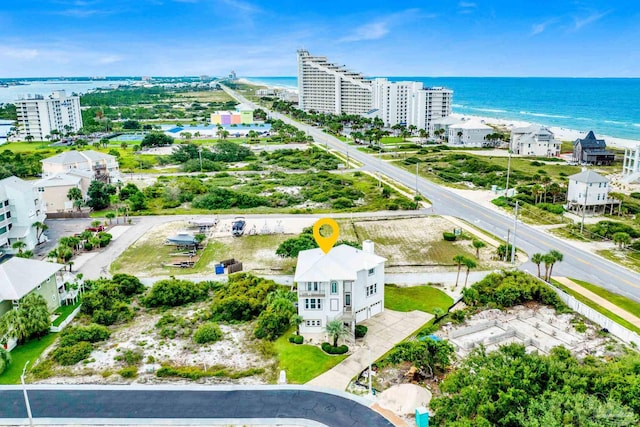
(608, 106)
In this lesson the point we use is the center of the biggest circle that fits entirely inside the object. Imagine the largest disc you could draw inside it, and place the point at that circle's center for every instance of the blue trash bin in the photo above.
(219, 269)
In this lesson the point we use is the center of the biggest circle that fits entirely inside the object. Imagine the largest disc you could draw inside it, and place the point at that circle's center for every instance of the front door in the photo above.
(347, 301)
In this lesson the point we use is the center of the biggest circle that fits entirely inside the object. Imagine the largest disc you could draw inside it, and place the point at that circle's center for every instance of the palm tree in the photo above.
(459, 260)
(336, 330)
(469, 263)
(28, 138)
(19, 245)
(537, 259)
(621, 238)
(548, 260)
(40, 229)
(296, 320)
(5, 359)
(110, 216)
(557, 257)
(536, 191)
(478, 244)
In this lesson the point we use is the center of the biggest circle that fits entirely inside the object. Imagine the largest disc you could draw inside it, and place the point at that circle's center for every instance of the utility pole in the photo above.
(506, 251)
(506, 191)
(26, 398)
(200, 156)
(584, 207)
(515, 230)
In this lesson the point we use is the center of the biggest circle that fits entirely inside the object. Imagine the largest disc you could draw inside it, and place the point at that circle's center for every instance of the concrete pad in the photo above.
(385, 330)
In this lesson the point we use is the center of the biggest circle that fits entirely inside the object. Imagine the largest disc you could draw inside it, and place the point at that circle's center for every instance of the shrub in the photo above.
(550, 207)
(130, 357)
(449, 237)
(209, 332)
(242, 299)
(361, 331)
(75, 334)
(174, 292)
(128, 372)
(328, 348)
(296, 339)
(70, 355)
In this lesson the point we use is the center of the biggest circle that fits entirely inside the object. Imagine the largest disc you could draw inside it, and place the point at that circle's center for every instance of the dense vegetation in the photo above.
(509, 288)
(510, 387)
(174, 292)
(108, 300)
(22, 165)
(290, 248)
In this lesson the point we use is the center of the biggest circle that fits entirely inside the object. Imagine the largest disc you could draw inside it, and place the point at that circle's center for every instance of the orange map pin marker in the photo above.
(326, 243)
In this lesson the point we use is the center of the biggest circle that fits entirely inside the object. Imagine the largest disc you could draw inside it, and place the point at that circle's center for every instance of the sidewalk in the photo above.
(385, 330)
(599, 300)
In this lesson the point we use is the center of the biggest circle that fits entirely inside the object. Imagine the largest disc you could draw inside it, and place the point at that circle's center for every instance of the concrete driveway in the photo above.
(385, 330)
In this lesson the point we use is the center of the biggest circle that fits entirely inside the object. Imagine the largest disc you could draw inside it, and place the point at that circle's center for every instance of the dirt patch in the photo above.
(234, 352)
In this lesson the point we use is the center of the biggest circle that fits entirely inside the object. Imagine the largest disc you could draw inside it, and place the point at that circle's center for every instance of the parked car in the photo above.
(95, 229)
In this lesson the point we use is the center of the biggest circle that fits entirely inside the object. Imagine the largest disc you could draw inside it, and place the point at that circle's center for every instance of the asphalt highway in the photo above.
(195, 403)
(577, 263)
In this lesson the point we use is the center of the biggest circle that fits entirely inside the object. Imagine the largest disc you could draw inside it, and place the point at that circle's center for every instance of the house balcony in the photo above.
(312, 293)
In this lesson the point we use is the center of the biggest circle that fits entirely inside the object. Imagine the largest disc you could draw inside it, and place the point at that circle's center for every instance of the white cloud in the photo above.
(81, 13)
(465, 4)
(371, 31)
(466, 7)
(241, 5)
(379, 28)
(581, 22)
(24, 54)
(109, 59)
(542, 26)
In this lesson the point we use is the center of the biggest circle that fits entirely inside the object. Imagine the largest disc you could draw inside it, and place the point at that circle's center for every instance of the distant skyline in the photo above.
(561, 38)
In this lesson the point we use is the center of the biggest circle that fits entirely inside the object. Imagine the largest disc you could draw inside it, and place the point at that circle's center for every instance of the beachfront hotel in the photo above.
(329, 88)
(38, 116)
(325, 87)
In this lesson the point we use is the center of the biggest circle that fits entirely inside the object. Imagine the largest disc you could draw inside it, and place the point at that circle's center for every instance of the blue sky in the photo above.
(590, 38)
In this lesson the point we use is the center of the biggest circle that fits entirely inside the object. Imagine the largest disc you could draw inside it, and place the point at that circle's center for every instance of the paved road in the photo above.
(104, 402)
(577, 263)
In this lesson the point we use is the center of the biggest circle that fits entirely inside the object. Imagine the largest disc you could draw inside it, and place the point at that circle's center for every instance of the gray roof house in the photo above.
(592, 151)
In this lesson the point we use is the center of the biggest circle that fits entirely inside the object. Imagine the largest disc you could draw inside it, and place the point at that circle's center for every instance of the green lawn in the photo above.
(624, 303)
(303, 362)
(64, 312)
(422, 298)
(19, 356)
(595, 306)
(627, 258)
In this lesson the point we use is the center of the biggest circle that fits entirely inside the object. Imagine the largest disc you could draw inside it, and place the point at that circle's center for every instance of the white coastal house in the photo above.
(588, 192)
(20, 207)
(442, 124)
(346, 284)
(104, 167)
(534, 140)
(469, 133)
(631, 164)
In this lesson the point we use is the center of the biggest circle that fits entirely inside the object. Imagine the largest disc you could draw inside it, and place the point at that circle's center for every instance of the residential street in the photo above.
(577, 263)
(198, 405)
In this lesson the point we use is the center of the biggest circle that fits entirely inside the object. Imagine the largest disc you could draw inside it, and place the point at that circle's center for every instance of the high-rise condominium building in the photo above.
(39, 116)
(329, 88)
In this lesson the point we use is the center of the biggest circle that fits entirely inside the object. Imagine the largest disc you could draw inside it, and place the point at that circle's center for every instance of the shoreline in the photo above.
(561, 133)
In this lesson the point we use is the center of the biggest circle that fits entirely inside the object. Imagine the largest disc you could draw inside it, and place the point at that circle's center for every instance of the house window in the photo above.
(372, 271)
(313, 286)
(334, 287)
(313, 304)
(313, 322)
(3, 230)
(372, 289)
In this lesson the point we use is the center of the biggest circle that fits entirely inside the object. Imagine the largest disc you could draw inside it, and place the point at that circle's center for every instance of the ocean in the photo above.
(30, 87)
(608, 106)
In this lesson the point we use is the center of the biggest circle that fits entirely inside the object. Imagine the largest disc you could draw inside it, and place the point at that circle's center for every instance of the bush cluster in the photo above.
(361, 331)
(550, 207)
(328, 348)
(448, 236)
(174, 292)
(242, 299)
(128, 372)
(195, 373)
(275, 319)
(107, 301)
(296, 339)
(75, 334)
(509, 288)
(207, 333)
(70, 355)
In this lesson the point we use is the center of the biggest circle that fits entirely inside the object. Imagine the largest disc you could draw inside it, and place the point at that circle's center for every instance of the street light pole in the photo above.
(506, 191)
(584, 207)
(515, 230)
(416, 179)
(24, 391)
